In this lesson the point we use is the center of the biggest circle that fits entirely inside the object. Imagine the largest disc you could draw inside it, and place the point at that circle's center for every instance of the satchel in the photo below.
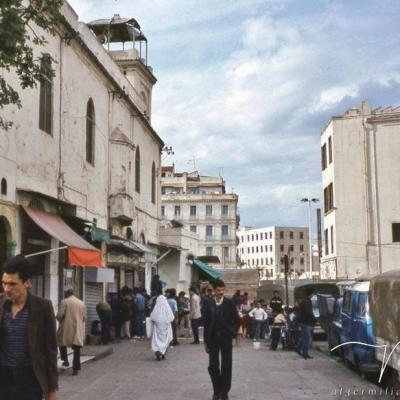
(149, 327)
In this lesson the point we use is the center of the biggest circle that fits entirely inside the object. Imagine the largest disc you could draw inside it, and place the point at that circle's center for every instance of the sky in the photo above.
(245, 87)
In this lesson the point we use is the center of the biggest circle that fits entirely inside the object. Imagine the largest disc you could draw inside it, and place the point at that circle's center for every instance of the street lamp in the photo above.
(309, 201)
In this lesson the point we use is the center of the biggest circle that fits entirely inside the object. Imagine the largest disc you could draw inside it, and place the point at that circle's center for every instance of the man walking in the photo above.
(306, 320)
(28, 346)
(139, 307)
(259, 317)
(195, 314)
(221, 323)
(71, 330)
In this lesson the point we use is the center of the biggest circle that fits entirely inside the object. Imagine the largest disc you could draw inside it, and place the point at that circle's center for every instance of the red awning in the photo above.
(80, 252)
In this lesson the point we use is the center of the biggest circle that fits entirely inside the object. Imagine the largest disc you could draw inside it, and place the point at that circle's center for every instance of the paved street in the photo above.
(132, 372)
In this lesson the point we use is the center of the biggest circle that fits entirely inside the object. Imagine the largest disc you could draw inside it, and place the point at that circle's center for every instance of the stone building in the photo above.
(360, 171)
(264, 249)
(202, 205)
(81, 164)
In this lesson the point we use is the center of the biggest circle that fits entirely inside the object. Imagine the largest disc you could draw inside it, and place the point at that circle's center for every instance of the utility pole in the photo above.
(286, 262)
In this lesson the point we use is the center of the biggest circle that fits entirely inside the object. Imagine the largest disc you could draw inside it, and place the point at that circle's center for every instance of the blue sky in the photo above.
(246, 86)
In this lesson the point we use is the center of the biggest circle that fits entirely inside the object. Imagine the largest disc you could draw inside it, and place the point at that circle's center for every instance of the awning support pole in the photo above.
(161, 257)
(46, 251)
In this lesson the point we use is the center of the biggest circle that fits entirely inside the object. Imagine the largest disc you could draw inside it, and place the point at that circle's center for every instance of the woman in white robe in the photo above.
(161, 317)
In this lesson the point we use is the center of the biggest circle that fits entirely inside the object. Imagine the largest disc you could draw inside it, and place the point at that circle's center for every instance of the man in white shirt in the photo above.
(258, 315)
(195, 314)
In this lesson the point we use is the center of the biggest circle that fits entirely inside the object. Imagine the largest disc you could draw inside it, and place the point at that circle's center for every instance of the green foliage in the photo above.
(18, 21)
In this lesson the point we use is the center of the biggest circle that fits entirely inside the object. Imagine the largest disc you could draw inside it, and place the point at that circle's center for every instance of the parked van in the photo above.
(357, 326)
(385, 312)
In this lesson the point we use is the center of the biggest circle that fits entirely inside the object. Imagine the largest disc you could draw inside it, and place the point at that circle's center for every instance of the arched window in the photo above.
(129, 234)
(137, 170)
(153, 183)
(90, 130)
(4, 187)
(46, 95)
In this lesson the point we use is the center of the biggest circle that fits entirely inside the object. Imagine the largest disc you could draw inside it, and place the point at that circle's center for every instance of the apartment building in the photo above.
(265, 248)
(202, 205)
(360, 173)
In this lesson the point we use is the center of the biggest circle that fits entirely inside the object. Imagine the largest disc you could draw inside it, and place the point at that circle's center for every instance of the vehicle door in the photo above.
(347, 324)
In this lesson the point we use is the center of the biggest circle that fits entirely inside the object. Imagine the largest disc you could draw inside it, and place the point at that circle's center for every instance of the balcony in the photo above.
(122, 208)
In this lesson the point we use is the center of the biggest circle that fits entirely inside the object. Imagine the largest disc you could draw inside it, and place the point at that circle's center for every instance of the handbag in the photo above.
(149, 327)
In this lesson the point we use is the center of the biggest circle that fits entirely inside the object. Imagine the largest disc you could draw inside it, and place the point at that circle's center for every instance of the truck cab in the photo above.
(357, 327)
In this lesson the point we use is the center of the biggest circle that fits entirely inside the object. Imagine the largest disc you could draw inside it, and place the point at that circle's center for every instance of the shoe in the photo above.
(307, 357)
(158, 355)
(65, 364)
(224, 396)
(75, 372)
(162, 356)
(216, 396)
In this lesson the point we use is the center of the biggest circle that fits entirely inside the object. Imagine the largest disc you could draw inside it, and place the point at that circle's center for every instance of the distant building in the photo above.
(360, 172)
(265, 248)
(201, 204)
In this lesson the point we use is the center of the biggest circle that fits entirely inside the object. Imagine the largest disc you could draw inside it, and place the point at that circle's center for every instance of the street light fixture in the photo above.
(309, 201)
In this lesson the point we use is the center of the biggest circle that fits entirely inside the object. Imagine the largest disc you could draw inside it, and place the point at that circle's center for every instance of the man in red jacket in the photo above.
(28, 347)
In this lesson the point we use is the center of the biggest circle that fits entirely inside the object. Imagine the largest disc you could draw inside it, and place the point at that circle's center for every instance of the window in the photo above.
(46, 96)
(193, 211)
(153, 183)
(323, 157)
(302, 247)
(4, 186)
(224, 210)
(282, 247)
(395, 231)
(291, 248)
(242, 239)
(301, 261)
(252, 238)
(177, 211)
(330, 149)
(257, 261)
(332, 248)
(266, 248)
(301, 234)
(90, 130)
(328, 198)
(326, 242)
(248, 250)
(272, 261)
(163, 190)
(225, 253)
(209, 251)
(252, 262)
(163, 211)
(256, 236)
(291, 260)
(193, 228)
(347, 302)
(242, 251)
(291, 235)
(208, 210)
(252, 250)
(270, 235)
(270, 247)
(129, 234)
(137, 170)
(281, 234)
(224, 232)
(209, 232)
(261, 236)
(282, 260)
(248, 238)
(261, 261)
(256, 249)
(362, 308)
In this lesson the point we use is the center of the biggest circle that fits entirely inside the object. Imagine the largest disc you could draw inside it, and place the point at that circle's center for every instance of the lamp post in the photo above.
(309, 201)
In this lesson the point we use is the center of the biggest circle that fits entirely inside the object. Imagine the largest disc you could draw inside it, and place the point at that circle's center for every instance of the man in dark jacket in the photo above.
(28, 346)
(276, 302)
(306, 320)
(221, 323)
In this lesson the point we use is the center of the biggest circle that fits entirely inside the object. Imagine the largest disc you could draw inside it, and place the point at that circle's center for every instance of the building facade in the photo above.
(265, 248)
(82, 152)
(360, 168)
(201, 204)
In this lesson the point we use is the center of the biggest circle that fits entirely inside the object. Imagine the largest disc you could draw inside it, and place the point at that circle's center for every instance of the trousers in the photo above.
(19, 384)
(76, 361)
(220, 372)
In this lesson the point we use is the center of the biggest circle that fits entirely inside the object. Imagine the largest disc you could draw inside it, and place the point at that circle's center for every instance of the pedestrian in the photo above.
(195, 314)
(161, 316)
(139, 308)
(240, 331)
(156, 285)
(276, 302)
(306, 321)
(71, 316)
(221, 323)
(245, 308)
(258, 315)
(171, 298)
(279, 322)
(126, 316)
(116, 304)
(28, 344)
(104, 312)
(184, 311)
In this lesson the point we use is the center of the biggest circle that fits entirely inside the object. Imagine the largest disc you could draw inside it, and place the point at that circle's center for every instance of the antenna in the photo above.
(193, 160)
(221, 171)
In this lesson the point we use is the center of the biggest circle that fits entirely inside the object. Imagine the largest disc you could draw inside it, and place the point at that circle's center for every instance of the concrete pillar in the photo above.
(51, 273)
